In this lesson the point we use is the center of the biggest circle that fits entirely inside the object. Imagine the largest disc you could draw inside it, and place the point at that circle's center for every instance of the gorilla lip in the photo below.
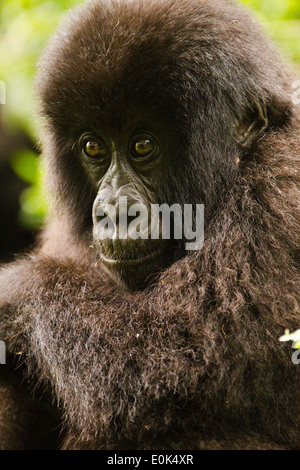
(132, 261)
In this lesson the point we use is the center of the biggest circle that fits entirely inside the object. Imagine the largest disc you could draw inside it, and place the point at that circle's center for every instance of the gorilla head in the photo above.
(151, 104)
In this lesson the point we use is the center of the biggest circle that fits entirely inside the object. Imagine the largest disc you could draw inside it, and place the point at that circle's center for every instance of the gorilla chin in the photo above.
(137, 272)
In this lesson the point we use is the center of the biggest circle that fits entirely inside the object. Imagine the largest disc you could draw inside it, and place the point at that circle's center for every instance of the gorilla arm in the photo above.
(170, 346)
(27, 420)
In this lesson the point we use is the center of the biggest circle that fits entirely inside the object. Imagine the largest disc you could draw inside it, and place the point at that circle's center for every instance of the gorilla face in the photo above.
(137, 119)
(127, 164)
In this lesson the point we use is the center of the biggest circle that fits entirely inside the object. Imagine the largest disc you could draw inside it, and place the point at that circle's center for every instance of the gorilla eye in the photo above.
(94, 148)
(143, 148)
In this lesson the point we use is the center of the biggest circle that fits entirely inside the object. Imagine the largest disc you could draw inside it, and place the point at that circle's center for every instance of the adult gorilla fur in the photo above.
(193, 360)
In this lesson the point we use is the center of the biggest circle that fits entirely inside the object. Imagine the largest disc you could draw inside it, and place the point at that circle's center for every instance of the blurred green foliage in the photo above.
(33, 206)
(281, 19)
(25, 26)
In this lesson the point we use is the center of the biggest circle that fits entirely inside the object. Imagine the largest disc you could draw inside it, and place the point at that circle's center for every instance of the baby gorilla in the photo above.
(143, 344)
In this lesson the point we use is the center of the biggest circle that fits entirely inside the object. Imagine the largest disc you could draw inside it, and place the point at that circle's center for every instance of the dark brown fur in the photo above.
(193, 361)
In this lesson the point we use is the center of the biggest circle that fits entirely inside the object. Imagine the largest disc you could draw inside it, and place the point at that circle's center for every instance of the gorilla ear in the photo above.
(252, 125)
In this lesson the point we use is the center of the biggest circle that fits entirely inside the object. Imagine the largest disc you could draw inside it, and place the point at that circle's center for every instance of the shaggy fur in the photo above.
(193, 361)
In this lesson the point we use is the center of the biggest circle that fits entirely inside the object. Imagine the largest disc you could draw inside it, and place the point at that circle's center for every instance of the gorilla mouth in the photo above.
(133, 261)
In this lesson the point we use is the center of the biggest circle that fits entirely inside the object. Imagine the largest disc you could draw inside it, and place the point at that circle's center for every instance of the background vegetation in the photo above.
(25, 26)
